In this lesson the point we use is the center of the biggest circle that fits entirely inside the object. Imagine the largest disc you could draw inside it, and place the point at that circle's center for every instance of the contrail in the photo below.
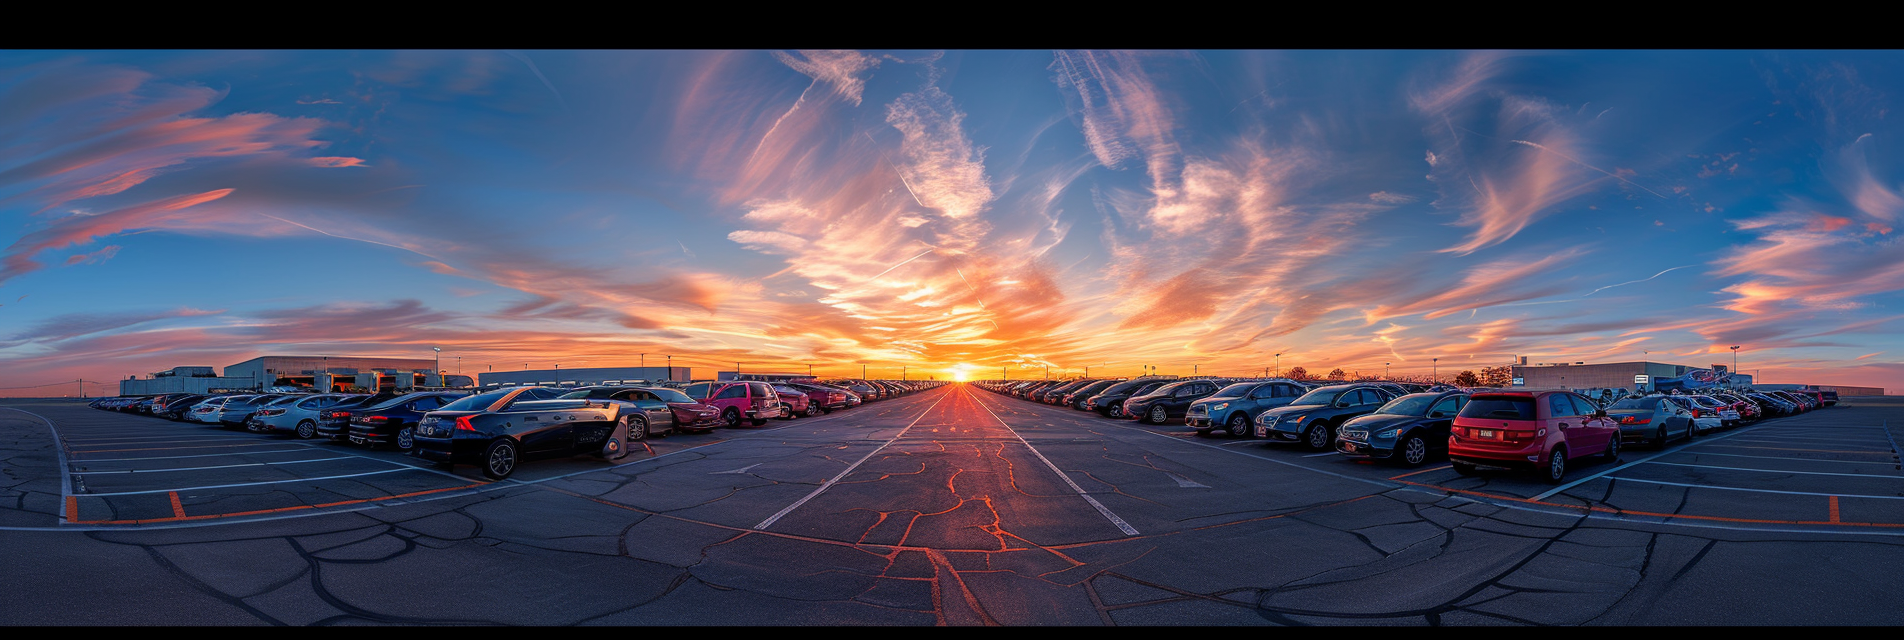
(1583, 164)
(1610, 286)
(538, 75)
(420, 253)
(968, 285)
(896, 266)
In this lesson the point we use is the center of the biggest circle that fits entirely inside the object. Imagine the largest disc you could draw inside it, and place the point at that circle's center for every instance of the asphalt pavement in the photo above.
(953, 506)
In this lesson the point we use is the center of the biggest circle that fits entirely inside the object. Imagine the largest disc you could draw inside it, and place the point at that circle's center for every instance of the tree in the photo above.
(1467, 379)
(1337, 374)
(1298, 373)
(1500, 376)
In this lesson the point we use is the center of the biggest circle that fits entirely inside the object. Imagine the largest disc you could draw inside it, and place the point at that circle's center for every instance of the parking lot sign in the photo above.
(1641, 378)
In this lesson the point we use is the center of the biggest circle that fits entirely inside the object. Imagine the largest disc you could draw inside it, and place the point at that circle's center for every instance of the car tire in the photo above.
(406, 439)
(815, 411)
(1557, 466)
(1692, 430)
(637, 428)
(1156, 415)
(1659, 440)
(1319, 436)
(1413, 450)
(1612, 453)
(306, 430)
(1239, 425)
(1464, 468)
(731, 417)
(500, 459)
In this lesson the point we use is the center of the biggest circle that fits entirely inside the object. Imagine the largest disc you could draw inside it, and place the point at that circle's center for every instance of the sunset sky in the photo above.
(936, 209)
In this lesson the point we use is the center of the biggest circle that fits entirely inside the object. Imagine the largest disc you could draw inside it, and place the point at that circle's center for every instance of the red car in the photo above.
(753, 401)
(798, 404)
(1539, 430)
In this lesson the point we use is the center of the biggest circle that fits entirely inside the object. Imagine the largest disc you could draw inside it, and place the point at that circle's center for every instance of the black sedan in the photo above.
(391, 422)
(1171, 401)
(1407, 430)
(497, 430)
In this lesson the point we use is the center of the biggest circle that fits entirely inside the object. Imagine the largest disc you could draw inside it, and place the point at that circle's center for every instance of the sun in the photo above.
(961, 372)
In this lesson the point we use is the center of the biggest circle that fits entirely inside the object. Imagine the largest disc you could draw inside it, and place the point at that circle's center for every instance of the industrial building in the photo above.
(327, 373)
(583, 376)
(1642, 375)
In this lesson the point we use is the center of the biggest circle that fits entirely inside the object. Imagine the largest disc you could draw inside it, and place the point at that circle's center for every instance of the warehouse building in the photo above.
(323, 373)
(1611, 375)
(583, 376)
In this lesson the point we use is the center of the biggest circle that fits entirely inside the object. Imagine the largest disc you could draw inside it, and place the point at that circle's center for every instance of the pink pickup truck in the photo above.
(754, 401)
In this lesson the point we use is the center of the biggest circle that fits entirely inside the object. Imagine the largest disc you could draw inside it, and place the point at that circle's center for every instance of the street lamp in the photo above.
(1434, 370)
(439, 365)
(1735, 362)
(1384, 371)
(1279, 365)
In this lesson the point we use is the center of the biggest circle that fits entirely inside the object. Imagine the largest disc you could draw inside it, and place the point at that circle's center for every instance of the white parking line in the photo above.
(222, 466)
(849, 469)
(1740, 455)
(115, 444)
(1809, 473)
(1121, 524)
(1795, 493)
(248, 484)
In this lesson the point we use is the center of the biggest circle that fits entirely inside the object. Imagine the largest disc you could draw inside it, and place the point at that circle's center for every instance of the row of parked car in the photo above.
(496, 428)
(1475, 429)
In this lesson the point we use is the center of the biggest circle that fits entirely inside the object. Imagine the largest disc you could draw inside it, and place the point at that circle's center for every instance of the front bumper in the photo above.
(1275, 428)
(1356, 442)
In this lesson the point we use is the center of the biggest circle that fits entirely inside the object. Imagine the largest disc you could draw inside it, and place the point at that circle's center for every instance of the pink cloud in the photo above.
(336, 161)
(102, 255)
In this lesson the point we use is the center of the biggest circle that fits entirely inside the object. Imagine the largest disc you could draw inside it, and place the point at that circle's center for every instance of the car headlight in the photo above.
(1388, 434)
(1298, 419)
(1220, 407)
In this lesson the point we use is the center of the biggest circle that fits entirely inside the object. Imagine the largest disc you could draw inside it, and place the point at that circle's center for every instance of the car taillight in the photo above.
(1460, 431)
(376, 420)
(463, 424)
(1633, 420)
(1520, 436)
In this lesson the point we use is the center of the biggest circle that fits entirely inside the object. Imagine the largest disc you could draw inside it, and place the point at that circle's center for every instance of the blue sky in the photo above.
(935, 210)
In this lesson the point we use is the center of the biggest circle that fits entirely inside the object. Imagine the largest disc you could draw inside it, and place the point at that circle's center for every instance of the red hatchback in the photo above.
(1539, 430)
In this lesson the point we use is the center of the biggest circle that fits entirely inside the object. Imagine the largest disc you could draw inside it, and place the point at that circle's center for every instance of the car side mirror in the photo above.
(1437, 414)
(1599, 413)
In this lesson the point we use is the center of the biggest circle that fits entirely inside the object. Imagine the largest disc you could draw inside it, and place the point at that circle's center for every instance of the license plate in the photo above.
(1262, 432)
(1486, 433)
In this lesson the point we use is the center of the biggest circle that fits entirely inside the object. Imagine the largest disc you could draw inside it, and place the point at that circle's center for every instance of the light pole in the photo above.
(1279, 365)
(644, 361)
(902, 373)
(439, 365)
(1735, 362)
(1384, 371)
(670, 366)
(1434, 370)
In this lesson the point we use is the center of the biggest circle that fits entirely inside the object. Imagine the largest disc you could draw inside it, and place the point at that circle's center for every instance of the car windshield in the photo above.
(476, 402)
(1237, 390)
(670, 395)
(1321, 396)
(1634, 404)
(1409, 405)
(393, 402)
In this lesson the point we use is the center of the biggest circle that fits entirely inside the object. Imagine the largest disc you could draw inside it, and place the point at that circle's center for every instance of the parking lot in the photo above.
(953, 506)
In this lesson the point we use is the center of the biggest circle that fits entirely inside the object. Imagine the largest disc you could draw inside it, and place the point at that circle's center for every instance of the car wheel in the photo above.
(1414, 450)
(1557, 465)
(499, 460)
(1612, 453)
(307, 430)
(815, 411)
(731, 417)
(1239, 425)
(1692, 430)
(406, 438)
(1319, 436)
(1157, 415)
(1659, 440)
(1464, 468)
(637, 428)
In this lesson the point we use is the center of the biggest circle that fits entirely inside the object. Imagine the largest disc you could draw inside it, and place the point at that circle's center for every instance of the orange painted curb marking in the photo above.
(178, 510)
(215, 516)
(72, 509)
(1834, 508)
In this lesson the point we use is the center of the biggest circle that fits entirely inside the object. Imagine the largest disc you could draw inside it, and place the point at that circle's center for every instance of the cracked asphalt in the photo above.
(949, 507)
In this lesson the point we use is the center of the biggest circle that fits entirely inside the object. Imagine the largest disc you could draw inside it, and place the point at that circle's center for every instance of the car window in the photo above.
(429, 403)
(1499, 408)
(1373, 397)
(1447, 407)
(734, 391)
(1558, 406)
(760, 389)
(696, 391)
(1265, 391)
